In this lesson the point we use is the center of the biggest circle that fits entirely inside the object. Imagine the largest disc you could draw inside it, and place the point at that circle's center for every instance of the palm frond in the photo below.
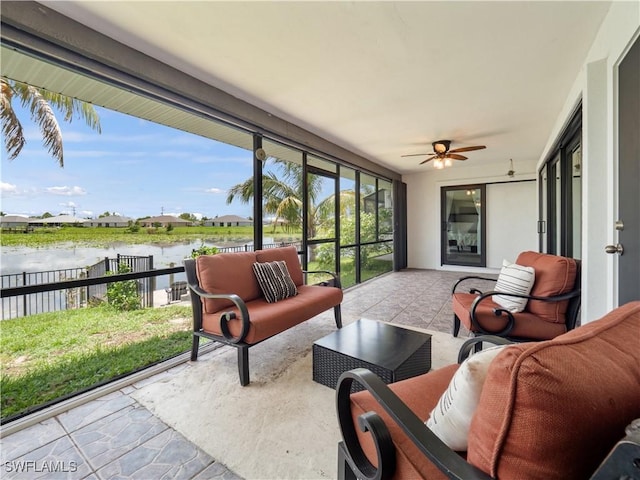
(244, 191)
(41, 104)
(12, 130)
(43, 115)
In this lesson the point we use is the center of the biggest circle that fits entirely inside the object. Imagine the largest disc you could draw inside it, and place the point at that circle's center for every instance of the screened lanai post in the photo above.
(400, 225)
(257, 194)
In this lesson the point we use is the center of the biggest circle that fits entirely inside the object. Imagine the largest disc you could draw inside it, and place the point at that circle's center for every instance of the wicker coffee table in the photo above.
(391, 352)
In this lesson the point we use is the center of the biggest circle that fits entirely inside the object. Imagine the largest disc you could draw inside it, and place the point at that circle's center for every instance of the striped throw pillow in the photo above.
(274, 280)
(517, 279)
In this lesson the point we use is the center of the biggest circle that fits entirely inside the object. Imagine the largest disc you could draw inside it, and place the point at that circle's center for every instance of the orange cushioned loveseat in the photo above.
(547, 410)
(229, 305)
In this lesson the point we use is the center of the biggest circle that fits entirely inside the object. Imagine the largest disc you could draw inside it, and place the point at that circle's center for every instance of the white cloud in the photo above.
(8, 188)
(66, 191)
(215, 190)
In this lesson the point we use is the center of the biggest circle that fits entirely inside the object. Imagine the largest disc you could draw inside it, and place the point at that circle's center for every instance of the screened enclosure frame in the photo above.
(40, 34)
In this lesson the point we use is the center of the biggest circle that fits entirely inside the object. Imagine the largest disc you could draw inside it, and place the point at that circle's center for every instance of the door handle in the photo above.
(614, 249)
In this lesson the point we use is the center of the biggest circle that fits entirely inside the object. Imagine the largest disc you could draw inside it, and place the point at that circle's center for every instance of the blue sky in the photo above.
(134, 167)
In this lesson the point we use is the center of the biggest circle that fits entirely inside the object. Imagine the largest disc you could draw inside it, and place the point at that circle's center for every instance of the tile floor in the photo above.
(114, 437)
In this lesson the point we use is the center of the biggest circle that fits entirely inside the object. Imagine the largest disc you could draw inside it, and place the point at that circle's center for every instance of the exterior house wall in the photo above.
(13, 222)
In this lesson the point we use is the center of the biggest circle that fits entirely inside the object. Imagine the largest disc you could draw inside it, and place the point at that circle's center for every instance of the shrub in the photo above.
(123, 295)
(203, 250)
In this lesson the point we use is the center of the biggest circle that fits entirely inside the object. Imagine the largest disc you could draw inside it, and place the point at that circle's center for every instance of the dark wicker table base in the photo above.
(391, 352)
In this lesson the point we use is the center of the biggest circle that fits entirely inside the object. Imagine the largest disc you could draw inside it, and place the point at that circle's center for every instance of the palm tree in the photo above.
(41, 104)
(282, 197)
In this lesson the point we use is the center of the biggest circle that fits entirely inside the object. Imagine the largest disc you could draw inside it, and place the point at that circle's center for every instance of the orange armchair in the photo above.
(548, 410)
(552, 306)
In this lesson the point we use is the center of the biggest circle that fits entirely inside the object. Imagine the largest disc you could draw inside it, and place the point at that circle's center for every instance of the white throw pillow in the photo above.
(514, 278)
(451, 418)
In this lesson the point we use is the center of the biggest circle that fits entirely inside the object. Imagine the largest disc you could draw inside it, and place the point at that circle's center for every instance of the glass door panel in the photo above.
(321, 225)
(576, 202)
(347, 207)
(544, 220)
(554, 235)
(282, 194)
(463, 222)
(368, 207)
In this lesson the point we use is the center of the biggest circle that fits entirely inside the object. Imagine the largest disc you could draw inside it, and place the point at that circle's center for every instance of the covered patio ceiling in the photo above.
(382, 79)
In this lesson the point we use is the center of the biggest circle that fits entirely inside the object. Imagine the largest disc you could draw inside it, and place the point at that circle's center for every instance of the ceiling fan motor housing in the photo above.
(441, 146)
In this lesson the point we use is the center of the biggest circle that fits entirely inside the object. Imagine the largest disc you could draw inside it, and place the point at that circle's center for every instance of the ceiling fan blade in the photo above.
(430, 158)
(417, 155)
(467, 149)
(455, 156)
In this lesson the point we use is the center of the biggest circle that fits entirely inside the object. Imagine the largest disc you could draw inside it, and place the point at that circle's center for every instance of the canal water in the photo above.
(20, 259)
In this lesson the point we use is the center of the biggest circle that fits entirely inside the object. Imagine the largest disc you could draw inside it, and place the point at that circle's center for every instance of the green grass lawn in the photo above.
(48, 356)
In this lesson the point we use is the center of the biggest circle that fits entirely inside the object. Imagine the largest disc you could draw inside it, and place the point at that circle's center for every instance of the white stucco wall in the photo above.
(512, 230)
(509, 230)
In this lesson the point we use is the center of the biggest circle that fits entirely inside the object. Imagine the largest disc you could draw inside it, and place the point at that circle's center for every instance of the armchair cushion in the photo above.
(555, 275)
(545, 401)
(422, 393)
(528, 325)
(451, 418)
(274, 280)
(517, 279)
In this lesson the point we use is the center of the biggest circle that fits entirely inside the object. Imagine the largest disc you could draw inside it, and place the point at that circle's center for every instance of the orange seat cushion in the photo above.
(553, 410)
(527, 325)
(268, 319)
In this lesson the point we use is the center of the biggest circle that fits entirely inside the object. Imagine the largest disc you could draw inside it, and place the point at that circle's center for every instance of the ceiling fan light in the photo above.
(439, 147)
(437, 163)
(447, 162)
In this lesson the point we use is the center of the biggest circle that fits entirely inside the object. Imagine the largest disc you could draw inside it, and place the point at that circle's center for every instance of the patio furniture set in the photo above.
(550, 401)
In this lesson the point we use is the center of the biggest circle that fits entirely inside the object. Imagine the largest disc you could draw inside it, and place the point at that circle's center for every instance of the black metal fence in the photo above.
(74, 297)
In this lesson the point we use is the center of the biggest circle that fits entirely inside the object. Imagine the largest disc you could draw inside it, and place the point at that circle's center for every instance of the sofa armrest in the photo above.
(336, 278)
(228, 316)
(471, 277)
(447, 460)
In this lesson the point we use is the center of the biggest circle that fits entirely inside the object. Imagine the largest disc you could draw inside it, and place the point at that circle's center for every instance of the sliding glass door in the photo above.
(464, 225)
(322, 220)
(560, 217)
